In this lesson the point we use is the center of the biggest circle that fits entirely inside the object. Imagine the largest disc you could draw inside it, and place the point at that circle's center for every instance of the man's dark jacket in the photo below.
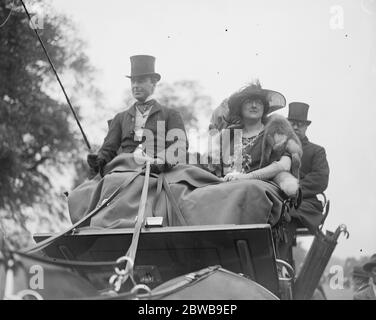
(314, 178)
(121, 136)
(367, 293)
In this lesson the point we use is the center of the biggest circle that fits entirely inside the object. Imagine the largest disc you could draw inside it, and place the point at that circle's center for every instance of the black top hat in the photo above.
(298, 111)
(143, 65)
(370, 264)
(273, 100)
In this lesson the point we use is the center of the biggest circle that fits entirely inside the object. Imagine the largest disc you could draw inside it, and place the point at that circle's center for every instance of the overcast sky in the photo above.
(320, 52)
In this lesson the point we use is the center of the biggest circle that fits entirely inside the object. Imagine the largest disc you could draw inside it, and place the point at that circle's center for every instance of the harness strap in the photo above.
(171, 197)
(63, 263)
(43, 244)
(158, 192)
(162, 183)
(131, 253)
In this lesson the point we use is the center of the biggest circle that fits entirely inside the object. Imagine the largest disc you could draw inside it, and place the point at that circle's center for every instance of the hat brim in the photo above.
(300, 120)
(275, 99)
(369, 265)
(360, 275)
(156, 75)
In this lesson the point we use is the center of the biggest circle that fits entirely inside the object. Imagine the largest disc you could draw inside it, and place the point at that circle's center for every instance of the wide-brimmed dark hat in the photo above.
(370, 264)
(273, 100)
(298, 111)
(143, 65)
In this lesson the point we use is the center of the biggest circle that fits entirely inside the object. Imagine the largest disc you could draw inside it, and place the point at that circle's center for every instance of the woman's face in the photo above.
(252, 109)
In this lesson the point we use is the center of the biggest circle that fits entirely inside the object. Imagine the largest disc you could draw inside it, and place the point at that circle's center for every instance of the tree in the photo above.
(37, 137)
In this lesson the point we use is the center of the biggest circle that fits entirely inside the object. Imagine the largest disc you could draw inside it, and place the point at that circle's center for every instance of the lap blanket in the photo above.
(200, 197)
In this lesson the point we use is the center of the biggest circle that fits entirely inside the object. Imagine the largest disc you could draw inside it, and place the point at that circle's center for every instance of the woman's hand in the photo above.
(232, 176)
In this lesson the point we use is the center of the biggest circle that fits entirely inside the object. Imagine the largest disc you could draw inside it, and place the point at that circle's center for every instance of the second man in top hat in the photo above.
(314, 171)
(314, 178)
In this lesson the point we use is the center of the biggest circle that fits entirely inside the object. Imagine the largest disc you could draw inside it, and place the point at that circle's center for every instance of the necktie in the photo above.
(144, 106)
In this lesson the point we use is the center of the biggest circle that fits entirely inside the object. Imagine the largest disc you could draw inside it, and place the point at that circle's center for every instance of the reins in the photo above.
(43, 244)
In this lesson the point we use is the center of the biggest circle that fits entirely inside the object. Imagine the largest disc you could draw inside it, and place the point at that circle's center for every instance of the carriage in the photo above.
(185, 262)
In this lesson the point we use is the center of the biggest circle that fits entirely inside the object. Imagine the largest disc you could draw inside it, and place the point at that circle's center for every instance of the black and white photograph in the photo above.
(187, 150)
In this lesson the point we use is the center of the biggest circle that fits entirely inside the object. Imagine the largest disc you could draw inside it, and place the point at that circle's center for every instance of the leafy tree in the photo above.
(37, 136)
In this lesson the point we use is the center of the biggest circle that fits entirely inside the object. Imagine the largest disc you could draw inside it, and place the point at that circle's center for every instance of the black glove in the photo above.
(92, 161)
(101, 164)
(96, 164)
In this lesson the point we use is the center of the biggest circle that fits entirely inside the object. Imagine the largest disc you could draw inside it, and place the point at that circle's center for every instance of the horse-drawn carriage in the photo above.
(156, 262)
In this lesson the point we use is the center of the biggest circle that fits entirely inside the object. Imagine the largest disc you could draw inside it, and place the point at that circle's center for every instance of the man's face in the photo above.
(299, 127)
(142, 87)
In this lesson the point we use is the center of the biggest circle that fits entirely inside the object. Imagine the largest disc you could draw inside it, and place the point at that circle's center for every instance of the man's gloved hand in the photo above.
(92, 161)
(101, 164)
(96, 164)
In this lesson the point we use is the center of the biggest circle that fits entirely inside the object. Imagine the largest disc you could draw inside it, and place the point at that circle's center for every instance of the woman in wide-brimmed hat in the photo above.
(271, 101)
(245, 196)
(248, 109)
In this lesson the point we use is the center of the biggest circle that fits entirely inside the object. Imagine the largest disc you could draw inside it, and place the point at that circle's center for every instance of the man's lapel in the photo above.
(132, 110)
(155, 108)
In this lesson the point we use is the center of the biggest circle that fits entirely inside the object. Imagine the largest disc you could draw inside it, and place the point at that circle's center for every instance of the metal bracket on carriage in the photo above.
(341, 229)
(286, 277)
(153, 222)
(121, 276)
(102, 203)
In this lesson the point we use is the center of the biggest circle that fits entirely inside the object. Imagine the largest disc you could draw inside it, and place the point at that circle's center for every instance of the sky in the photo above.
(320, 52)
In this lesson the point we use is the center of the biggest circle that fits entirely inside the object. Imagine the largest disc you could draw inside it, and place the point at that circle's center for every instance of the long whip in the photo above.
(57, 76)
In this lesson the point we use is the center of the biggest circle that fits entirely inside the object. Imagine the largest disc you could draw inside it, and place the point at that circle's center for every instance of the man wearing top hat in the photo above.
(127, 131)
(368, 292)
(314, 170)
(314, 177)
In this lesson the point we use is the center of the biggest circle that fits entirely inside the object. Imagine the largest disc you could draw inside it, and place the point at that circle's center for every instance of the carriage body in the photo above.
(165, 253)
(249, 268)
